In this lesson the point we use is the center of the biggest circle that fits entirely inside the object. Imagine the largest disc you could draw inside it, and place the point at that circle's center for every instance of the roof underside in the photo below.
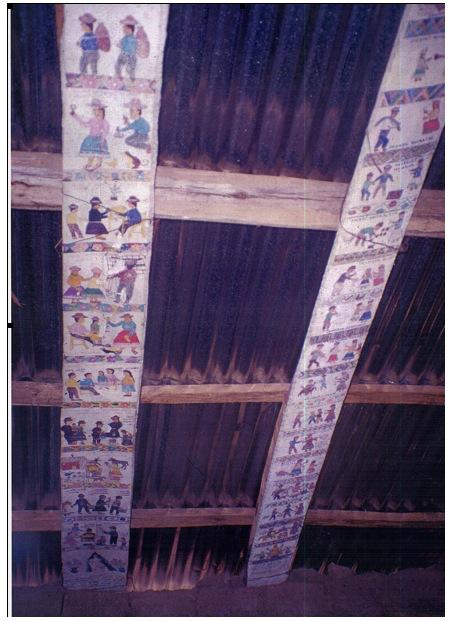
(273, 89)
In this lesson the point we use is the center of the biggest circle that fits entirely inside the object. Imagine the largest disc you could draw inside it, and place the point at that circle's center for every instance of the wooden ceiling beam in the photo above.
(210, 196)
(42, 394)
(35, 521)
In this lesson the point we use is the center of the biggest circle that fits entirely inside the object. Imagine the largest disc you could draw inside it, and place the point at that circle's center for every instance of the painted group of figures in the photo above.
(79, 472)
(91, 537)
(74, 432)
(80, 334)
(129, 214)
(104, 381)
(89, 287)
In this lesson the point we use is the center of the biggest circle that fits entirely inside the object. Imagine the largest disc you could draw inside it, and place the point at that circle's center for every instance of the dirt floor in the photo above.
(339, 592)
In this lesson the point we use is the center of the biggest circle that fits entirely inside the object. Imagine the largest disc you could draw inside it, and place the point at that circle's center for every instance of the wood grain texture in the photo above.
(50, 394)
(236, 198)
(23, 521)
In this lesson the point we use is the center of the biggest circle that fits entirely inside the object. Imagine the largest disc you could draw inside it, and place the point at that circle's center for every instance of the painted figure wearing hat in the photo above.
(385, 124)
(138, 125)
(72, 222)
(94, 146)
(78, 330)
(74, 281)
(132, 216)
(128, 48)
(127, 278)
(88, 44)
(92, 288)
(128, 333)
(95, 225)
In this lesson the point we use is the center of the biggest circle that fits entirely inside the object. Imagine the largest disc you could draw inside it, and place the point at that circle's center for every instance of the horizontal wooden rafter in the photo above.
(209, 196)
(50, 394)
(185, 518)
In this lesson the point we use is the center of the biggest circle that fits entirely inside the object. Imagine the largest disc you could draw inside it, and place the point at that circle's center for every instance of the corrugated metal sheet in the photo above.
(186, 455)
(231, 303)
(172, 558)
(384, 458)
(269, 88)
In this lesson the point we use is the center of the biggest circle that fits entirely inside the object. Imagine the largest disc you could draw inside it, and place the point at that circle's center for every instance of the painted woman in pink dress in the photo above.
(94, 146)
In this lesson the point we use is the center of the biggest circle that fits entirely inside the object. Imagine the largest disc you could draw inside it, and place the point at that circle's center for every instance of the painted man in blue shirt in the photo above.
(132, 216)
(128, 48)
(89, 44)
(139, 126)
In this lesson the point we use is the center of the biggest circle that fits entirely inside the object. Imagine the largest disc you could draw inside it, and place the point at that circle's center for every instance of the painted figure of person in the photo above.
(416, 174)
(127, 438)
(368, 234)
(113, 535)
(73, 222)
(422, 65)
(67, 430)
(297, 421)
(92, 289)
(383, 180)
(351, 350)
(128, 48)
(341, 381)
(334, 353)
(111, 379)
(431, 118)
(365, 280)
(385, 124)
(94, 146)
(127, 278)
(78, 330)
(293, 445)
(74, 281)
(88, 537)
(331, 413)
(88, 44)
(274, 514)
(328, 318)
(348, 275)
(128, 384)
(367, 314)
(95, 225)
(80, 434)
(287, 510)
(138, 125)
(132, 216)
(316, 355)
(115, 425)
(116, 505)
(309, 443)
(357, 312)
(101, 380)
(365, 189)
(97, 433)
(82, 503)
(396, 232)
(378, 276)
(128, 333)
(101, 504)
(88, 384)
(72, 387)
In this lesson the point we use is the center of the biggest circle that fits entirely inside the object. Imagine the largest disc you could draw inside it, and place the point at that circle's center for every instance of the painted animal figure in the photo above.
(118, 462)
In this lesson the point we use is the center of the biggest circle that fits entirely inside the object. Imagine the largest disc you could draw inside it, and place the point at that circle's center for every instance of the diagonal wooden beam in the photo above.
(42, 394)
(33, 521)
(209, 196)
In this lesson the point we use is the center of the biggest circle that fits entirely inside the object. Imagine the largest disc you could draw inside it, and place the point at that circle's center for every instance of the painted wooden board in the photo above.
(111, 65)
(401, 138)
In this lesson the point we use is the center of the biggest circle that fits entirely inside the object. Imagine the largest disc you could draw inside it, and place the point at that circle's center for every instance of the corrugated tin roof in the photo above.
(231, 304)
(279, 89)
